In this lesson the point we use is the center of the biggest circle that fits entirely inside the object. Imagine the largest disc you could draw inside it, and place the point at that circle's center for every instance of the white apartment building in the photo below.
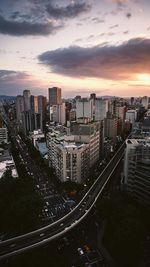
(84, 108)
(36, 135)
(101, 108)
(69, 159)
(89, 134)
(58, 113)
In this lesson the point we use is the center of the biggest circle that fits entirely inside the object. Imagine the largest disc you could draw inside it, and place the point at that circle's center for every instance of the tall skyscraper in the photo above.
(54, 96)
(19, 107)
(27, 100)
(101, 108)
(34, 103)
(145, 101)
(110, 127)
(30, 121)
(137, 169)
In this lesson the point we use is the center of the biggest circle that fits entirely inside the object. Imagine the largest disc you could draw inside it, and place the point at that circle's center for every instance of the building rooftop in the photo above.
(8, 164)
(144, 142)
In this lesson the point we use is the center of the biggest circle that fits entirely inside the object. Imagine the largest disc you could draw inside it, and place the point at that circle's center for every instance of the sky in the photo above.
(81, 46)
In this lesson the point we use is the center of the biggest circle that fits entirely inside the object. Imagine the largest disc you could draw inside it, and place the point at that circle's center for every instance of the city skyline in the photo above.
(80, 46)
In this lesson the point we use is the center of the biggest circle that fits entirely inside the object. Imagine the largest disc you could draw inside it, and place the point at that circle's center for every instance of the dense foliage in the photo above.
(20, 204)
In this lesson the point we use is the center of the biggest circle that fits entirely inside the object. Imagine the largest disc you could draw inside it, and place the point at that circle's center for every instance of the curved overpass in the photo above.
(48, 233)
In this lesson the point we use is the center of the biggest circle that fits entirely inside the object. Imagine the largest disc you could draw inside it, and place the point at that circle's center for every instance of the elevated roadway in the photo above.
(20, 244)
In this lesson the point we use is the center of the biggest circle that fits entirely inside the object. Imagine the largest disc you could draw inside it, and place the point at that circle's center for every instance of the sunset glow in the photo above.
(79, 46)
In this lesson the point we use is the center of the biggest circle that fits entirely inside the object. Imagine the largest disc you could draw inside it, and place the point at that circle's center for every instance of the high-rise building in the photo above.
(41, 104)
(137, 169)
(101, 108)
(110, 127)
(54, 96)
(84, 108)
(145, 102)
(34, 103)
(27, 100)
(42, 108)
(58, 113)
(19, 107)
(69, 159)
(30, 121)
(132, 100)
(89, 134)
(131, 115)
(93, 96)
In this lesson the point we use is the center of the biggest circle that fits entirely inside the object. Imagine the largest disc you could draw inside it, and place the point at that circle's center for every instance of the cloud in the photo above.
(14, 82)
(10, 75)
(78, 40)
(19, 28)
(118, 62)
(70, 11)
(114, 26)
(120, 3)
(97, 20)
(126, 32)
(128, 15)
(37, 17)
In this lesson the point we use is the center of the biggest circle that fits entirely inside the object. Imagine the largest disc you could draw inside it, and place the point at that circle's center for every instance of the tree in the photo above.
(20, 205)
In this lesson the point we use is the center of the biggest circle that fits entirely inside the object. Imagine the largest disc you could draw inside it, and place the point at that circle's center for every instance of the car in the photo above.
(42, 234)
(81, 252)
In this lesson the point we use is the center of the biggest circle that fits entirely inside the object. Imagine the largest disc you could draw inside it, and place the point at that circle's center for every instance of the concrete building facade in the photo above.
(84, 108)
(131, 115)
(101, 108)
(137, 169)
(54, 96)
(19, 107)
(89, 134)
(27, 100)
(69, 159)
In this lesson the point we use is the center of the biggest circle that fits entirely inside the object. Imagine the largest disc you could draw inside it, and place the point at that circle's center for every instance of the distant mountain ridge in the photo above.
(7, 97)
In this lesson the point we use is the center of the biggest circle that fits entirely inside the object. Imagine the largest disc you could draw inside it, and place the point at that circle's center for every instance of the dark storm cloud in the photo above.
(69, 11)
(108, 62)
(19, 28)
(37, 17)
